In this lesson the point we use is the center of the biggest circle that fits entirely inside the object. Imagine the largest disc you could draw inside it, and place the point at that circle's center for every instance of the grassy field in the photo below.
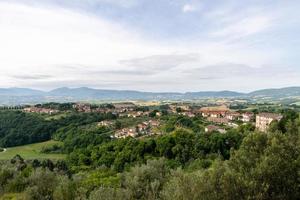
(55, 117)
(10, 196)
(297, 103)
(31, 151)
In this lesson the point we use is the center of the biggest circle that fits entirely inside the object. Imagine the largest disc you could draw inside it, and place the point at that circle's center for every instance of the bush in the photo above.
(146, 181)
(42, 185)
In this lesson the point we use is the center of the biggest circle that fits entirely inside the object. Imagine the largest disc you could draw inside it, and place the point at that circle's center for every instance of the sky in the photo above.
(157, 45)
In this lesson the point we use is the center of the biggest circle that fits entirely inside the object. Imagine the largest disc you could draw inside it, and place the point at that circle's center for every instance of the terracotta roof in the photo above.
(216, 108)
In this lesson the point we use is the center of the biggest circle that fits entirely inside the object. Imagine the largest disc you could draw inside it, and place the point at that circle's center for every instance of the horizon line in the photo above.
(129, 90)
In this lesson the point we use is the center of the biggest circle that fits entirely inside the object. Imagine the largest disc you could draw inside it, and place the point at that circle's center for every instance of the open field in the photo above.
(31, 151)
(10, 196)
(56, 117)
(297, 103)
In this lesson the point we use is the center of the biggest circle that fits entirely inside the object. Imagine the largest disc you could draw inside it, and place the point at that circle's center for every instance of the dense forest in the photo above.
(19, 128)
(183, 163)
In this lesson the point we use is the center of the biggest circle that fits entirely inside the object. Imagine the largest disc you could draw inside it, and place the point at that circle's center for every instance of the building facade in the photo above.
(263, 120)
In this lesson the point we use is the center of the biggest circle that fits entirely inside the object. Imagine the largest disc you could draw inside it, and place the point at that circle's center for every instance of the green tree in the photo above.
(146, 181)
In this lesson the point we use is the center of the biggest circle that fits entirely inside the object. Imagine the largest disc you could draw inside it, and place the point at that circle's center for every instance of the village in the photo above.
(219, 118)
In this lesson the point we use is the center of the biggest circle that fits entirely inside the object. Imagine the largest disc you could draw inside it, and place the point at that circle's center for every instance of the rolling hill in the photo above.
(15, 96)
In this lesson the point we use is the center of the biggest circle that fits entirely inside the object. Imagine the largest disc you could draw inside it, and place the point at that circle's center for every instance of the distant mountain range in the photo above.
(26, 95)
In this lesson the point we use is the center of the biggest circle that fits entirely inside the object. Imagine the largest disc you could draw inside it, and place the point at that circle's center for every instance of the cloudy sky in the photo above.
(157, 45)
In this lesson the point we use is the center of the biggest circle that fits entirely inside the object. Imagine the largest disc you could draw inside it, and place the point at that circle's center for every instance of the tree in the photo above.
(108, 193)
(36, 163)
(266, 166)
(66, 189)
(42, 185)
(146, 181)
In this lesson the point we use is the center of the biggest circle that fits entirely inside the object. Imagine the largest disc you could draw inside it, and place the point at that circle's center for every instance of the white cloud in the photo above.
(122, 3)
(188, 8)
(157, 63)
(245, 27)
(42, 40)
(46, 47)
(82, 3)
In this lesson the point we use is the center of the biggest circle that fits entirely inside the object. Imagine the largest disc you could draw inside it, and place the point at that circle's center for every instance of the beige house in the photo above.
(105, 123)
(263, 120)
(212, 128)
(188, 114)
(247, 117)
(126, 132)
(232, 115)
(217, 111)
(135, 114)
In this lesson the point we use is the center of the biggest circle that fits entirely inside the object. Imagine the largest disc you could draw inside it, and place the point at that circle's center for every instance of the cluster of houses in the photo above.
(34, 109)
(223, 115)
(144, 128)
(82, 107)
(126, 132)
(134, 114)
(182, 109)
(123, 109)
(120, 109)
(218, 115)
(107, 123)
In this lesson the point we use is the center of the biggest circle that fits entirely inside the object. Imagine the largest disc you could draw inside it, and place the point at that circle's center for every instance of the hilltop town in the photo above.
(217, 118)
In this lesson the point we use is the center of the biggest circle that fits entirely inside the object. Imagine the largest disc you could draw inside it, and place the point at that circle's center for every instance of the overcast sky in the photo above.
(150, 45)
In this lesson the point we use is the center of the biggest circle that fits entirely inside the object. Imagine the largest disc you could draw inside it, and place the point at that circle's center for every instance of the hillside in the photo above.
(15, 96)
(281, 92)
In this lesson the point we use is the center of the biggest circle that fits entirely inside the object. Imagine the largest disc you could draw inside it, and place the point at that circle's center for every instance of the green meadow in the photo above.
(31, 151)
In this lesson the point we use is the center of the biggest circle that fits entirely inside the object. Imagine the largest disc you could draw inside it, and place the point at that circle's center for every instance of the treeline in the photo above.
(57, 106)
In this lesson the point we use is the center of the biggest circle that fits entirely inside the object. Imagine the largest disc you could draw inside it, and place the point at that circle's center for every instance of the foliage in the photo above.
(181, 146)
(19, 128)
(265, 167)
(183, 163)
(57, 106)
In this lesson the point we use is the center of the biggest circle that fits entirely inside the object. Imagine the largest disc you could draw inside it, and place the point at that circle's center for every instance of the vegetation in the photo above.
(85, 162)
(181, 146)
(19, 128)
(33, 151)
(266, 166)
